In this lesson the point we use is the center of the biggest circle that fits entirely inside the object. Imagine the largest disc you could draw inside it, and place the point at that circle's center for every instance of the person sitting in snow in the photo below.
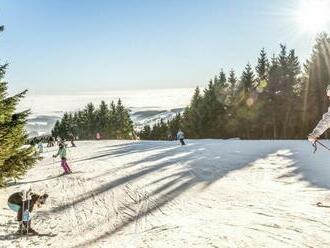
(23, 204)
(62, 153)
(323, 124)
(180, 136)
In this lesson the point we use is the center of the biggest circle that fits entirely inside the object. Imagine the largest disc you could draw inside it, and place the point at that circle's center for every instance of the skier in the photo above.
(23, 204)
(40, 147)
(71, 137)
(323, 124)
(51, 141)
(62, 153)
(180, 136)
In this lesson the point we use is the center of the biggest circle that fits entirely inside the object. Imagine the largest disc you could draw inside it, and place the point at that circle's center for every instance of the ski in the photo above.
(321, 205)
(36, 234)
(46, 235)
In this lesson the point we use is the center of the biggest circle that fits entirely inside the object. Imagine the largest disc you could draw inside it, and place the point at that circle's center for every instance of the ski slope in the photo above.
(210, 193)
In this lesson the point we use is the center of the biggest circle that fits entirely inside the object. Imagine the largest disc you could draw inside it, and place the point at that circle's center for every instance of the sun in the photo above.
(313, 16)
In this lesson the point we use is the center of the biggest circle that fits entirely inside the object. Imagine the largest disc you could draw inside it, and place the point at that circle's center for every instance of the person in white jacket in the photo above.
(323, 124)
(180, 136)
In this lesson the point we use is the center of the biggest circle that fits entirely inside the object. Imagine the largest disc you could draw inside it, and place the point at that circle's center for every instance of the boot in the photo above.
(20, 228)
(28, 229)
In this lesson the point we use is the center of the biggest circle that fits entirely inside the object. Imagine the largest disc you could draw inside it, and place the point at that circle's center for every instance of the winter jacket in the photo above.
(322, 126)
(180, 135)
(16, 199)
(62, 153)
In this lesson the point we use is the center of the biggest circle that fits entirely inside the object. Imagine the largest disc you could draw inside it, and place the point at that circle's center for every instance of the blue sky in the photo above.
(80, 45)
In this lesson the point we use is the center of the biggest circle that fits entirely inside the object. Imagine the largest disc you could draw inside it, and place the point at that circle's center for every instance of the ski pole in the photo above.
(318, 142)
(22, 223)
(70, 157)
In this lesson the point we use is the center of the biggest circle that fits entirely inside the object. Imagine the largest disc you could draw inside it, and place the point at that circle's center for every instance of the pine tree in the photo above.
(193, 116)
(232, 81)
(173, 126)
(212, 106)
(262, 67)
(247, 80)
(113, 122)
(222, 78)
(102, 119)
(317, 78)
(15, 156)
(145, 133)
(91, 120)
(125, 124)
(262, 74)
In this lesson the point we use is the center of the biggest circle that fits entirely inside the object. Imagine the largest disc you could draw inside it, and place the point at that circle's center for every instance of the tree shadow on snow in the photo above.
(306, 166)
(11, 184)
(198, 163)
(126, 149)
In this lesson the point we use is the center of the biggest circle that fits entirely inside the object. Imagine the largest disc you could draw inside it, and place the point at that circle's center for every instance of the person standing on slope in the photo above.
(323, 124)
(40, 147)
(72, 138)
(62, 153)
(180, 136)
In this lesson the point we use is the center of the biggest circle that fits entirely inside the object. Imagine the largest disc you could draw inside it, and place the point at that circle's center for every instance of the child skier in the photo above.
(62, 153)
(323, 124)
(23, 203)
(180, 136)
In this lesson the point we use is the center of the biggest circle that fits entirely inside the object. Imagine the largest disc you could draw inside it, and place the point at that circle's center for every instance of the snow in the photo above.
(210, 193)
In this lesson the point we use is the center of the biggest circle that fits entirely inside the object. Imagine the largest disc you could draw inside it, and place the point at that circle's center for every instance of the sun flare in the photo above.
(313, 16)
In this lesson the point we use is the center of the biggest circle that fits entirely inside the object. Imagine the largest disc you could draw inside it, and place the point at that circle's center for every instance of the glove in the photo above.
(312, 139)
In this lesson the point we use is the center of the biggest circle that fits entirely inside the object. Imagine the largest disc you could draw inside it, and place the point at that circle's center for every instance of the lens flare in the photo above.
(312, 16)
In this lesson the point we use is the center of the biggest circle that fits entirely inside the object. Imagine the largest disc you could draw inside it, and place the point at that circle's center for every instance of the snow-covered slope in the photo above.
(210, 193)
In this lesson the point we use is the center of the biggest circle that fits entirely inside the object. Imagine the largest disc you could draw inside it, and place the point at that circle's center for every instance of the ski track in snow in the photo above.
(210, 193)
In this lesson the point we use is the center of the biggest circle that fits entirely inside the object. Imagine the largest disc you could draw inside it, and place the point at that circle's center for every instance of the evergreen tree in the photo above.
(102, 119)
(173, 126)
(193, 116)
(145, 133)
(15, 156)
(92, 128)
(317, 78)
(222, 78)
(262, 74)
(125, 128)
(113, 122)
(232, 81)
(247, 80)
(212, 106)
(279, 101)
(262, 67)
